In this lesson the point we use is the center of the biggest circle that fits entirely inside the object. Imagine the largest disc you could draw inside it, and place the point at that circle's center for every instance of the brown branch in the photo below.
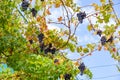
(65, 9)
(75, 29)
(90, 53)
(91, 24)
(59, 23)
(69, 23)
(64, 16)
(117, 20)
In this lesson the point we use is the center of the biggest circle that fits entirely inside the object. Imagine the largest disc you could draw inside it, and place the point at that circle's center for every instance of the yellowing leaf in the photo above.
(79, 49)
(48, 12)
(96, 6)
(105, 48)
(38, 18)
(89, 27)
(60, 19)
(85, 50)
(103, 1)
(76, 63)
(57, 5)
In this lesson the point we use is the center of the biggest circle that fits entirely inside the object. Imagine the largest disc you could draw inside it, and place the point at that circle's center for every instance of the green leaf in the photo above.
(72, 47)
(85, 50)
(103, 1)
(79, 49)
(89, 28)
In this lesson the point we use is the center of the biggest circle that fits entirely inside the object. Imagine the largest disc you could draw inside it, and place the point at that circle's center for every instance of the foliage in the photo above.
(35, 57)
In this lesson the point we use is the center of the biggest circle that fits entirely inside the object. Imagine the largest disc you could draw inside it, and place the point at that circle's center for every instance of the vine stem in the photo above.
(21, 14)
(117, 20)
(90, 53)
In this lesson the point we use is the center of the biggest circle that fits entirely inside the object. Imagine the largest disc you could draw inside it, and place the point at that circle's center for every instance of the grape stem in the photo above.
(90, 53)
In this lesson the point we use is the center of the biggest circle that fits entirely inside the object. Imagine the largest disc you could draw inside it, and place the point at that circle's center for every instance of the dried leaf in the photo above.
(76, 63)
(99, 47)
(60, 19)
(48, 12)
(38, 18)
(57, 5)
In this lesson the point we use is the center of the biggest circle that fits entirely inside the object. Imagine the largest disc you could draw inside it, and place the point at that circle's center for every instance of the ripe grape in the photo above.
(34, 12)
(42, 46)
(103, 40)
(40, 37)
(81, 68)
(81, 16)
(24, 5)
(67, 76)
(31, 41)
(99, 32)
(110, 39)
(53, 50)
(47, 50)
(56, 60)
(50, 45)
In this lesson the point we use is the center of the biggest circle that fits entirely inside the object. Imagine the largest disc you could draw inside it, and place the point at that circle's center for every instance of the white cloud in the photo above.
(52, 27)
(87, 39)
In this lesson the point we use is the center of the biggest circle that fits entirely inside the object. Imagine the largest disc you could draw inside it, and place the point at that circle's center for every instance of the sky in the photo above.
(98, 58)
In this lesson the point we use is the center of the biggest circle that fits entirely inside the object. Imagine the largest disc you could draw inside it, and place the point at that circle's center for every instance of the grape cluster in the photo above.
(45, 48)
(99, 32)
(50, 49)
(67, 76)
(81, 16)
(24, 5)
(40, 37)
(42, 46)
(82, 68)
(34, 12)
(103, 40)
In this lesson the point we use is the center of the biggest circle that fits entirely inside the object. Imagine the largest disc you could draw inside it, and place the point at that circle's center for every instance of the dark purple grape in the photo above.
(34, 12)
(110, 39)
(56, 60)
(50, 45)
(99, 32)
(24, 5)
(81, 16)
(103, 40)
(67, 76)
(53, 50)
(47, 50)
(81, 68)
(31, 41)
(40, 37)
(42, 46)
